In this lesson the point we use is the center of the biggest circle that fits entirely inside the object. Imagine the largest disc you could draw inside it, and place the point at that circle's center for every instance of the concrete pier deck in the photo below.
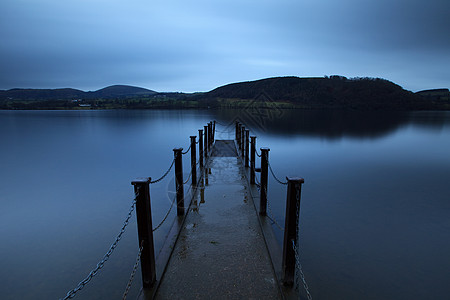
(221, 252)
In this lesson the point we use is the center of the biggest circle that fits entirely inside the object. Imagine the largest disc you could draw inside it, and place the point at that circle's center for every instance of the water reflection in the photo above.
(331, 124)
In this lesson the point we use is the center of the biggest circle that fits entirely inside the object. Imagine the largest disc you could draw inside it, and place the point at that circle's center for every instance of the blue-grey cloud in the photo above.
(198, 45)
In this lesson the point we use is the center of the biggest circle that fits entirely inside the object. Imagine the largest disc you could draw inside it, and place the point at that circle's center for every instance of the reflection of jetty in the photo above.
(222, 244)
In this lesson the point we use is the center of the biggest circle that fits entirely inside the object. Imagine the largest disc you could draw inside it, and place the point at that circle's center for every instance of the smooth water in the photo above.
(375, 208)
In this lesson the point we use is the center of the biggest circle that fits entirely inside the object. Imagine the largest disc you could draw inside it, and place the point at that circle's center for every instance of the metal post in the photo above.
(145, 231)
(200, 147)
(205, 148)
(264, 177)
(214, 131)
(179, 180)
(294, 191)
(247, 132)
(252, 159)
(193, 161)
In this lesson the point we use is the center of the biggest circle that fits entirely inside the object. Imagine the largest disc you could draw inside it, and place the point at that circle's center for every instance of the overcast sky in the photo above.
(197, 45)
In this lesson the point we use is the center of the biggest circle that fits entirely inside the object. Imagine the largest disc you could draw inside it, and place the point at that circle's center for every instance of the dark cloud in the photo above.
(198, 45)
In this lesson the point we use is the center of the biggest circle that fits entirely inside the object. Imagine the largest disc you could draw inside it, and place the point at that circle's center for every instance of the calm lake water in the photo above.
(375, 208)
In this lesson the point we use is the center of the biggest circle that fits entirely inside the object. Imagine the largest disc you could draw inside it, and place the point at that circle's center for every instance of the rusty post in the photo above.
(179, 180)
(247, 132)
(193, 160)
(200, 147)
(264, 178)
(205, 148)
(145, 231)
(252, 159)
(294, 191)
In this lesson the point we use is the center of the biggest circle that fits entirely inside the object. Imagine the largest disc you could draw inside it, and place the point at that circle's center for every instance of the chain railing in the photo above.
(72, 293)
(133, 273)
(187, 180)
(298, 267)
(165, 217)
(165, 174)
(105, 258)
(274, 176)
(187, 151)
(272, 217)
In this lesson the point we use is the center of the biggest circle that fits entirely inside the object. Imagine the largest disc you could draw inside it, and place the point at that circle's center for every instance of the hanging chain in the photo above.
(272, 217)
(105, 258)
(296, 249)
(187, 150)
(165, 174)
(274, 176)
(256, 151)
(130, 281)
(165, 217)
(187, 180)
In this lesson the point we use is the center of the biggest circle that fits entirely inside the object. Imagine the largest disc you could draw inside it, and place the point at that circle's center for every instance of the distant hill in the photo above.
(435, 94)
(119, 91)
(335, 92)
(41, 94)
(115, 91)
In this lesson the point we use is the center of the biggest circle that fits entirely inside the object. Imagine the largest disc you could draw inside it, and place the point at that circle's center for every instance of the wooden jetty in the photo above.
(221, 245)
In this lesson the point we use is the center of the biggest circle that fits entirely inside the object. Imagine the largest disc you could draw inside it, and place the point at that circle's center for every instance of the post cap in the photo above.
(193, 136)
(141, 180)
(264, 149)
(253, 136)
(177, 149)
(295, 179)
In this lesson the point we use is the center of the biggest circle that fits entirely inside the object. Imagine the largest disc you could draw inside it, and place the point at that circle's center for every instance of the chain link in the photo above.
(165, 174)
(271, 216)
(300, 271)
(165, 217)
(185, 152)
(274, 176)
(130, 281)
(105, 258)
(187, 180)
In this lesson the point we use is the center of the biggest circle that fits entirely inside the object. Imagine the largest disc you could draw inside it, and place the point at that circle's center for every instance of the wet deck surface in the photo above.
(220, 253)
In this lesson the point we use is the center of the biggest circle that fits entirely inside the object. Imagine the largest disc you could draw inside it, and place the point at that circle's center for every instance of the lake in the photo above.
(375, 208)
